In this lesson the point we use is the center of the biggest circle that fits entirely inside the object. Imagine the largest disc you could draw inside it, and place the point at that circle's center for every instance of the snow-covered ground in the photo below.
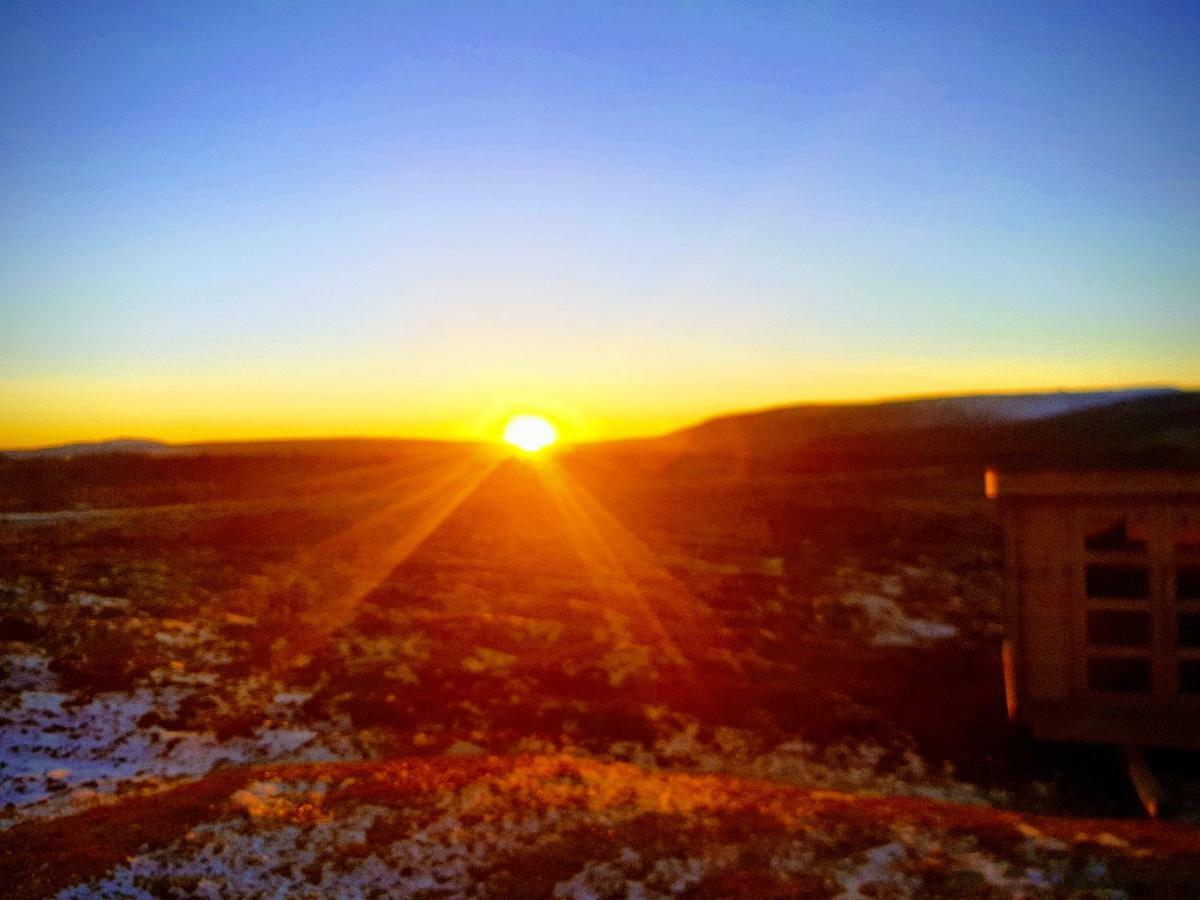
(61, 750)
(576, 823)
(890, 627)
(622, 699)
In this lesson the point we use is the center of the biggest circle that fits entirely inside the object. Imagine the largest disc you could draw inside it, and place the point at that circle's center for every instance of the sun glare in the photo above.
(530, 433)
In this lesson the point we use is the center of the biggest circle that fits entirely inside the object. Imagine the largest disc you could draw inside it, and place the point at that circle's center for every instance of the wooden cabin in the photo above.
(1102, 605)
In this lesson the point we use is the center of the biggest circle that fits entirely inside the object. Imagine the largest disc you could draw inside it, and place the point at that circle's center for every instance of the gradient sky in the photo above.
(268, 219)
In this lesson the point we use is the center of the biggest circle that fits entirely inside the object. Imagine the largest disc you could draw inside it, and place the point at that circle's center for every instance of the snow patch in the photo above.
(878, 869)
(890, 626)
(101, 746)
(26, 672)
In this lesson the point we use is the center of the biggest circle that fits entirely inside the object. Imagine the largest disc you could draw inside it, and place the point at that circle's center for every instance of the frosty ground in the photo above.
(423, 669)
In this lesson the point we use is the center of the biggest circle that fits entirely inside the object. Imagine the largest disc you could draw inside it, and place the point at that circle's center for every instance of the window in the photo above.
(1187, 582)
(1189, 677)
(1187, 534)
(1118, 628)
(1117, 581)
(1189, 630)
(1109, 628)
(1126, 676)
(1141, 607)
(1119, 534)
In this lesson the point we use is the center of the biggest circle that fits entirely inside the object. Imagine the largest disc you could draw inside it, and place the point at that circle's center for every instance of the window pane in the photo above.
(1117, 534)
(1187, 534)
(1187, 582)
(1118, 629)
(1120, 582)
(1189, 677)
(1129, 676)
(1189, 630)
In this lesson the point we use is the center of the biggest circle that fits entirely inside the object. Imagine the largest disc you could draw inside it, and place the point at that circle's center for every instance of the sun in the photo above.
(530, 433)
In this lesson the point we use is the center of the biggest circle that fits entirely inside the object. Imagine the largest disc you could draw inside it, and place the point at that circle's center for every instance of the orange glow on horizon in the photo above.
(336, 400)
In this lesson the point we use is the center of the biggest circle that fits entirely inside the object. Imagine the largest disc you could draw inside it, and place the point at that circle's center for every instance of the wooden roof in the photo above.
(1163, 484)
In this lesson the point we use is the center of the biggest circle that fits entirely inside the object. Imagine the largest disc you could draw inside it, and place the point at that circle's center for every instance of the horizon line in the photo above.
(863, 401)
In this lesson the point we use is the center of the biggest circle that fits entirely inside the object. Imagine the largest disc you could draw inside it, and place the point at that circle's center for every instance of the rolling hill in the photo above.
(1150, 428)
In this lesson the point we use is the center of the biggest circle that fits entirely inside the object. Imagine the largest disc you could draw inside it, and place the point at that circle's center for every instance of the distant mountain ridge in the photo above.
(924, 412)
(91, 448)
(1131, 416)
(1153, 427)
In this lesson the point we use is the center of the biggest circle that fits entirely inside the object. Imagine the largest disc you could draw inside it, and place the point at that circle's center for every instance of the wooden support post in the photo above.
(1008, 658)
(1144, 783)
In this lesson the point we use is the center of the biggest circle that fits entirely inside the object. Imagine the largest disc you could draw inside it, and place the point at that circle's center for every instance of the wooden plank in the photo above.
(1098, 720)
(1047, 626)
(1009, 659)
(1148, 790)
(1159, 484)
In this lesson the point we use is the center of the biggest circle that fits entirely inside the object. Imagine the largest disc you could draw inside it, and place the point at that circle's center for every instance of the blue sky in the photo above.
(229, 219)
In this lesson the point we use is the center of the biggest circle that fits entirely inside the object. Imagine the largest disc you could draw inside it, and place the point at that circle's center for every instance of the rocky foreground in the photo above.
(557, 826)
(411, 671)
